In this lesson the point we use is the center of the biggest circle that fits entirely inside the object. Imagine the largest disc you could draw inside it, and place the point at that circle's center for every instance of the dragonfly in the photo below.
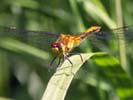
(65, 43)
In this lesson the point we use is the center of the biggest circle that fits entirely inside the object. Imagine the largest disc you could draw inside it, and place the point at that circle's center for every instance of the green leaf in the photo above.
(3, 98)
(60, 81)
(19, 47)
(115, 74)
(97, 11)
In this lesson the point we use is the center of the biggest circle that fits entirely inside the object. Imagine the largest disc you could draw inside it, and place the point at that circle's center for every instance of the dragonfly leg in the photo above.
(66, 58)
(79, 55)
(53, 60)
(52, 63)
(59, 62)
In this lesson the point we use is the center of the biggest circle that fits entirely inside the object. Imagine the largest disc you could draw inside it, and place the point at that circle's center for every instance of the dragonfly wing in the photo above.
(118, 33)
(13, 31)
(27, 34)
(39, 39)
(109, 40)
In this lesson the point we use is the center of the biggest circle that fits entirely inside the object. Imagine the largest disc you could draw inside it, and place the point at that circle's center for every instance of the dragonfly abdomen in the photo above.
(89, 31)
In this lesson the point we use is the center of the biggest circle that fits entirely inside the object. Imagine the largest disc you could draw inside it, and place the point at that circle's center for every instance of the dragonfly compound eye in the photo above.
(56, 48)
(56, 45)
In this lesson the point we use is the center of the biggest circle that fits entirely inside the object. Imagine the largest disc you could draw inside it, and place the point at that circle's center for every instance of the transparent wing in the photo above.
(40, 38)
(27, 34)
(109, 40)
(13, 31)
(118, 33)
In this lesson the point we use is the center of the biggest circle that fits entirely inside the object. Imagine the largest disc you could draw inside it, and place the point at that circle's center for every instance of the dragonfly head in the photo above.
(57, 47)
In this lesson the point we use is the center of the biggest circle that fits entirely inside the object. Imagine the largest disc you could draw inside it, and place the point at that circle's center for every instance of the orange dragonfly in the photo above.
(64, 43)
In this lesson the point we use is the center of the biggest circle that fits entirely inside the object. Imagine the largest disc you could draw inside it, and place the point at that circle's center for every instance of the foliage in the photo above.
(24, 62)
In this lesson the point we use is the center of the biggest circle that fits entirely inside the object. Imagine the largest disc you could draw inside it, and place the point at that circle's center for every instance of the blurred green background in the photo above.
(24, 62)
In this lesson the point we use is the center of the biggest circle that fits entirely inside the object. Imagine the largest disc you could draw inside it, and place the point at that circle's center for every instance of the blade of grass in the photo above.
(78, 20)
(119, 79)
(60, 81)
(97, 10)
(17, 46)
(4, 98)
(122, 47)
(4, 73)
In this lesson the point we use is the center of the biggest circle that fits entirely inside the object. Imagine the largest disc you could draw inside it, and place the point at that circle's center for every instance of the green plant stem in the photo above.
(122, 44)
